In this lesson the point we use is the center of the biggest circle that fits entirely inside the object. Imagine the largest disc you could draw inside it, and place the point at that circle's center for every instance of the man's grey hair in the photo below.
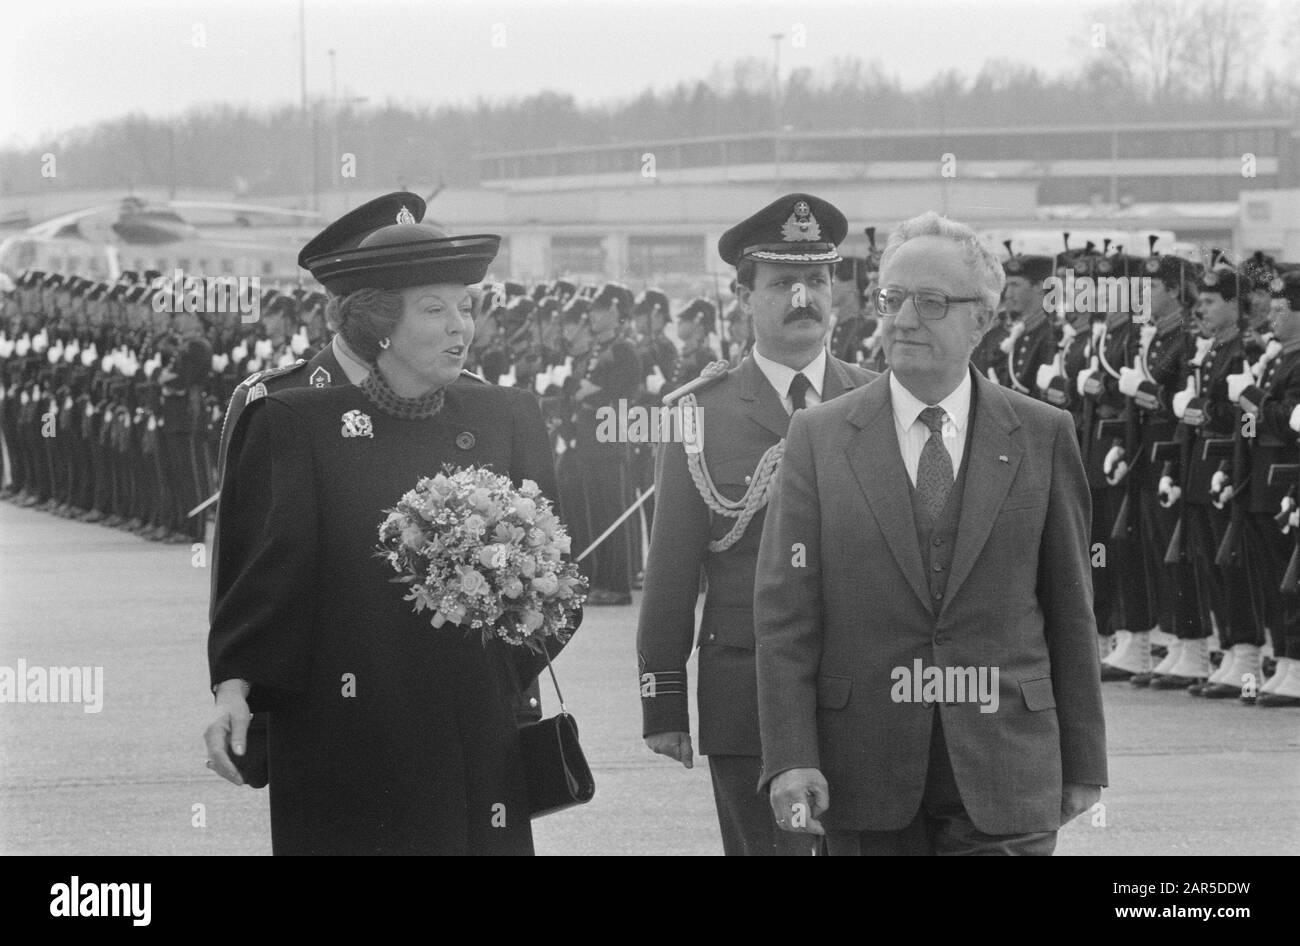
(984, 266)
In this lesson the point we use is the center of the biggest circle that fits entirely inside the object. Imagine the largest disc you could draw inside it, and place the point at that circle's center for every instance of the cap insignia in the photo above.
(405, 216)
(802, 225)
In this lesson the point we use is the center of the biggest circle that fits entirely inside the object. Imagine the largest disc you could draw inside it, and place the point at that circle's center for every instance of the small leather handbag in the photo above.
(554, 765)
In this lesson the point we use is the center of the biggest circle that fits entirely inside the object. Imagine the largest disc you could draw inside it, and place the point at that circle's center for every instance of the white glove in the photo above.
(992, 375)
(1129, 379)
(1017, 329)
(1183, 397)
(298, 343)
(654, 381)
(1203, 346)
(1045, 375)
(1237, 383)
(1114, 460)
(1295, 419)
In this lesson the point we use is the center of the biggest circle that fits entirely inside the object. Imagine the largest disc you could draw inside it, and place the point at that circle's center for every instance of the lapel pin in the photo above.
(1002, 458)
(465, 440)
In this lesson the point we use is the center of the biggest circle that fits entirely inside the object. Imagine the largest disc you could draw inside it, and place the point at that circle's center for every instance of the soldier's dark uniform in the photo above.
(742, 419)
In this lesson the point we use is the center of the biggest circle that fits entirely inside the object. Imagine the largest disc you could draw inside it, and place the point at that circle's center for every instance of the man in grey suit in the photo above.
(927, 672)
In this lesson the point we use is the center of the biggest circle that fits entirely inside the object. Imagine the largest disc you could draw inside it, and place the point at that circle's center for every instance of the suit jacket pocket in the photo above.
(729, 627)
(1038, 694)
(833, 692)
(1027, 500)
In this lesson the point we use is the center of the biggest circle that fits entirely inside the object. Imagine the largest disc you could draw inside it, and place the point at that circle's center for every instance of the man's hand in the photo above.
(798, 798)
(1076, 799)
(228, 729)
(675, 745)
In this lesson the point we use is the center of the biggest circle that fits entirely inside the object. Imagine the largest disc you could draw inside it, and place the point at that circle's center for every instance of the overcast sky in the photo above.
(65, 63)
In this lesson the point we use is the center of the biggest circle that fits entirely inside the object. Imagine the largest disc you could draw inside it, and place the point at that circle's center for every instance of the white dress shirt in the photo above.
(780, 376)
(912, 432)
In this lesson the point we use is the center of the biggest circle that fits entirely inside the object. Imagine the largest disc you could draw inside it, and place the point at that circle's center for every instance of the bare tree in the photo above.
(1222, 49)
(1150, 43)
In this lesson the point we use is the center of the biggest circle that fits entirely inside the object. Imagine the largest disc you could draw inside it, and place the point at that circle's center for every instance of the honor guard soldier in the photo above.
(1211, 420)
(1158, 374)
(695, 324)
(1270, 396)
(713, 488)
(1114, 449)
(1031, 339)
(610, 377)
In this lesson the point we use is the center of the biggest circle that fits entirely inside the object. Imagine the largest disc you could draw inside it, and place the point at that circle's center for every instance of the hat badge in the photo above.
(1153, 265)
(1276, 285)
(405, 216)
(1210, 279)
(802, 225)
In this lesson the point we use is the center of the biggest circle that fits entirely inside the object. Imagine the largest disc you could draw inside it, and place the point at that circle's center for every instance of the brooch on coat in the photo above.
(357, 424)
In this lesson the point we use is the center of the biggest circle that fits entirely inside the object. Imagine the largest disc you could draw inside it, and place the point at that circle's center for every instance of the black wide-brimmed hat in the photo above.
(383, 245)
(796, 228)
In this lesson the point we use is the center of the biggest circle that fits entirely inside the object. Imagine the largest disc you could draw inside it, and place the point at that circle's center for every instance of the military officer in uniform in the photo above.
(712, 493)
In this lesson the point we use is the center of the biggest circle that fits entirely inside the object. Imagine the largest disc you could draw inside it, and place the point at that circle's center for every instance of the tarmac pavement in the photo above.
(1188, 776)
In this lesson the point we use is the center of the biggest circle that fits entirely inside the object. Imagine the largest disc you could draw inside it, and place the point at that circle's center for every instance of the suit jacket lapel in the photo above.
(994, 457)
(761, 401)
(836, 380)
(873, 455)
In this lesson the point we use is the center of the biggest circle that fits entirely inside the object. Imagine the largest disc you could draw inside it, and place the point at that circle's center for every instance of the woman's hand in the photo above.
(228, 730)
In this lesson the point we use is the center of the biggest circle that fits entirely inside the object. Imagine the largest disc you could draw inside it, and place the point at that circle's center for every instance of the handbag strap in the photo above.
(554, 681)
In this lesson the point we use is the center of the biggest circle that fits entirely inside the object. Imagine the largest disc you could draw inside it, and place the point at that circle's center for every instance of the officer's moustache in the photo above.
(802, 312)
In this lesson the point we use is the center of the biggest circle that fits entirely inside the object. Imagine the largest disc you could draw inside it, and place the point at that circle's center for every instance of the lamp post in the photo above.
(776, 106)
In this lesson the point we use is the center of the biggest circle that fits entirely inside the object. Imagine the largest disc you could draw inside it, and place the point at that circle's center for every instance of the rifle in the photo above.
(1281, 474)
(1123, 527)
(1228, 548)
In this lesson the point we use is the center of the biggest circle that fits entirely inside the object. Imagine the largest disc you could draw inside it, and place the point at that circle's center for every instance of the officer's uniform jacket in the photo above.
(741, 417)
(1220, 361)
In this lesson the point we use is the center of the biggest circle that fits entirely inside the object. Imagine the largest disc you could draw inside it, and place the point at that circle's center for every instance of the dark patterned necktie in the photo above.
(799, 386)
(934, 472)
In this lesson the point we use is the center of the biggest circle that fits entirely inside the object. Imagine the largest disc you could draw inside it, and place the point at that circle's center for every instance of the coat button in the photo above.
(465, 440)
(937, 542)
(532, 701)
(748, 477)
(938, 595)
(938, 566)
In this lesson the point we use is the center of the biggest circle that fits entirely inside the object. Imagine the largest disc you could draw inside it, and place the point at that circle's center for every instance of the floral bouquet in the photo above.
(482, 554)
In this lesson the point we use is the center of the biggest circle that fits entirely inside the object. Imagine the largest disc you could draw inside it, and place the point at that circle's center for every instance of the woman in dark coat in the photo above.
(386, 735)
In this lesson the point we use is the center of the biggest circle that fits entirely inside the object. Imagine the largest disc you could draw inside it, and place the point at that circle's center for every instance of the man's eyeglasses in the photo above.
(929, 305)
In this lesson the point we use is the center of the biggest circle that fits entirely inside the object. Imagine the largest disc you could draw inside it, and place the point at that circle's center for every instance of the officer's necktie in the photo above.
(934, 472)
(799, 386)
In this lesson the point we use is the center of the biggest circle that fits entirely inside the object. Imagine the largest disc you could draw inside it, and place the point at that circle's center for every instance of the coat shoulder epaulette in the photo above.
(713, 372)
(254, 385)
(467, 375)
